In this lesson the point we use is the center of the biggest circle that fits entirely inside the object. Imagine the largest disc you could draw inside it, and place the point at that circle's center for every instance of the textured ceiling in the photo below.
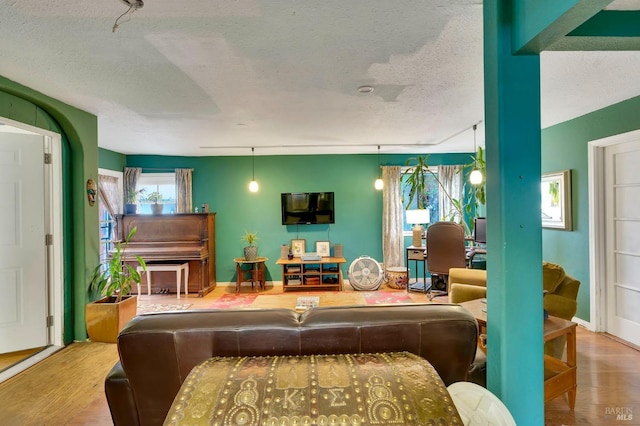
(217, 77)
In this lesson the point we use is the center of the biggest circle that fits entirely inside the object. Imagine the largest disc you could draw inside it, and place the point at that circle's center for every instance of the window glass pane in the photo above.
(163, 183)
(433, 200)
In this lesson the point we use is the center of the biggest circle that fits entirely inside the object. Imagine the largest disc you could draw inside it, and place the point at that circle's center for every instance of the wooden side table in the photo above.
(256, 272)
(559, 376)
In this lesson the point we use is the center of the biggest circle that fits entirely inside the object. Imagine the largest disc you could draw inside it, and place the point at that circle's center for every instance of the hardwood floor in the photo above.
(68, 387)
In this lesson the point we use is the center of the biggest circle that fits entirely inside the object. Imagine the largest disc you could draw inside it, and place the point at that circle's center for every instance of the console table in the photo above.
(305, 275)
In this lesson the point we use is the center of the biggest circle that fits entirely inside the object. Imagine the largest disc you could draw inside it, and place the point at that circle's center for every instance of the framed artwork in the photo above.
(555, 190)
(323, 248)
(298, 247)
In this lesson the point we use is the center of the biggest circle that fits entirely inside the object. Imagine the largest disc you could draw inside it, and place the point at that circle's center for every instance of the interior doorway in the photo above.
(614, 193)
(31, 317)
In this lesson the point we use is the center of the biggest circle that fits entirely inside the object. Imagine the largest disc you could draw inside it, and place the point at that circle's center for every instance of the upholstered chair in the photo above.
(467, 284)
(445, 250)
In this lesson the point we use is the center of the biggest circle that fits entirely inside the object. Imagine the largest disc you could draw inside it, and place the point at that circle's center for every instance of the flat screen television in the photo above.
(307, 208)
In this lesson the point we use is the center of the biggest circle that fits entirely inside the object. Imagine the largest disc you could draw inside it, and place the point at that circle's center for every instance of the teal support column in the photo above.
(514, 242)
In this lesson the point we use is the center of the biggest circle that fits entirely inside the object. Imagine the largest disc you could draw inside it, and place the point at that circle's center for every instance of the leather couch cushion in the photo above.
(384, 388)
(552, 276)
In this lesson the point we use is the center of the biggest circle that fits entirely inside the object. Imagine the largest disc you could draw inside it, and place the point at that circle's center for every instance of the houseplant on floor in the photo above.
(112, 280)
(250, 251)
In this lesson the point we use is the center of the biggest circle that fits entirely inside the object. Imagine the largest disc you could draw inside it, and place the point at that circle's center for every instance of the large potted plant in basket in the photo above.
(113, 280)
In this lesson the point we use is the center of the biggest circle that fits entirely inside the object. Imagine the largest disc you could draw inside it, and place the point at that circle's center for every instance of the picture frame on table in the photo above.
(555, 189)
(323, 248)
(298, 247)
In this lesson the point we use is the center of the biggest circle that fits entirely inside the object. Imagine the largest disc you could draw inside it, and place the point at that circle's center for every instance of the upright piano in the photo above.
(174, 238)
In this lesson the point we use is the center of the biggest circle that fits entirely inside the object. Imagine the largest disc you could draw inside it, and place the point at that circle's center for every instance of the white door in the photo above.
(23, 287)
(622, 236)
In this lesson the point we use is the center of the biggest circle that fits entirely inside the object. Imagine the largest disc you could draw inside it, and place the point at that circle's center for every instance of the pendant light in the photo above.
(476, 176)
(379, 184)
(253, 185)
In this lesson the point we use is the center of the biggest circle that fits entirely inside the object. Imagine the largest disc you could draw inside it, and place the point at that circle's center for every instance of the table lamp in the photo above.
(417, 217)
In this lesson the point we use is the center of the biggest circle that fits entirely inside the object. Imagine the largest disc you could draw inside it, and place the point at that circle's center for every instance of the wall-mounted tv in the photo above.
(307, 208)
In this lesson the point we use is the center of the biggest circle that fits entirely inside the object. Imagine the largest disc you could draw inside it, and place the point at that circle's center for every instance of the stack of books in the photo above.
(312, 280)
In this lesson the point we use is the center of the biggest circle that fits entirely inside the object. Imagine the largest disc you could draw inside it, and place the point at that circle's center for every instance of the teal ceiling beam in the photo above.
(610, 23)
(539, 24)
(608, 30)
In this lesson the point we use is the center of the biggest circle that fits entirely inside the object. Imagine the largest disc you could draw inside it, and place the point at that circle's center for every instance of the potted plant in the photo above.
(154, 198)
(131, 200)
(251, 251)
(112, 280)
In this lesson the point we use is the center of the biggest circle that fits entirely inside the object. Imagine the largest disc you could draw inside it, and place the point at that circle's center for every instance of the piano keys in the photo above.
(174, 238)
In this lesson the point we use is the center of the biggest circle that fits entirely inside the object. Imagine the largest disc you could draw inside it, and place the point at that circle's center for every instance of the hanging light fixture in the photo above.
(253, 185)
(476, 176)
(379, 184)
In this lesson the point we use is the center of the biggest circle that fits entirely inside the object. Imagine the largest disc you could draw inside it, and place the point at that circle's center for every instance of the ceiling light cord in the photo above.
(476, 176)
(253, 185)
(133, 6)
(379, 183)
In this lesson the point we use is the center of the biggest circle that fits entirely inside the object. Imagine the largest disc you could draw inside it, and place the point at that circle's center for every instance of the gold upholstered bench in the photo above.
(362, 389)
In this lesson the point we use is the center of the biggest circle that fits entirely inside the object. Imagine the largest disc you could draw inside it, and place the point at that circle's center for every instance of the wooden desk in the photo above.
(559, 375)
(256, 272)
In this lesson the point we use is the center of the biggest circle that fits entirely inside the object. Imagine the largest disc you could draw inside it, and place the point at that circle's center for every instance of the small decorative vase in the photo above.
(250, 253)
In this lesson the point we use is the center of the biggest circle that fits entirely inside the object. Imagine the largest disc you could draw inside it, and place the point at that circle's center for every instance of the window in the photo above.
(110, 183)
(432, 201)
(162, 183)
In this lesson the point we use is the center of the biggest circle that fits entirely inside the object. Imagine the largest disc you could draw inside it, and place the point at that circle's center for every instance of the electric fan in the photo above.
(365, 273)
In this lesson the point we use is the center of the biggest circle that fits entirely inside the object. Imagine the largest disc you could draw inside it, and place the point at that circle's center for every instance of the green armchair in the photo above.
(467, 284)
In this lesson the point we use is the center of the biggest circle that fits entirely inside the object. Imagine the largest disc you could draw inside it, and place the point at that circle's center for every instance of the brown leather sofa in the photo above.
(157, 351)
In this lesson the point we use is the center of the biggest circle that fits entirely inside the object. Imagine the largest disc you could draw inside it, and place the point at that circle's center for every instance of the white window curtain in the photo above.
(450, 178)
(109, 193)
(184, 199)
(392, 238)
(131, 176)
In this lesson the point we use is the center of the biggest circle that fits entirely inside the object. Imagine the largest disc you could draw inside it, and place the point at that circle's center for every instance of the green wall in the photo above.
(564, 146)
(79, 131)
(222, 182)
(111, 160)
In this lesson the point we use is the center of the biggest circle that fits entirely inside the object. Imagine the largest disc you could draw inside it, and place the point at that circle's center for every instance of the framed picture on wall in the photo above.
(323, 248)
(298, 247)
(555, 189)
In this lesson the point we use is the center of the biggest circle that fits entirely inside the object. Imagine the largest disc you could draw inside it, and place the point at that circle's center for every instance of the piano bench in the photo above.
(177, 267)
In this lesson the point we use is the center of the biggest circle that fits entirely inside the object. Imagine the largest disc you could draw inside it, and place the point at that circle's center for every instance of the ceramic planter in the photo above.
(105, 318)
(251, 253)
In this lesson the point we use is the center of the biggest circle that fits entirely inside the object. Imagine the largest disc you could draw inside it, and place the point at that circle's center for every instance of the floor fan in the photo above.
(365, 274)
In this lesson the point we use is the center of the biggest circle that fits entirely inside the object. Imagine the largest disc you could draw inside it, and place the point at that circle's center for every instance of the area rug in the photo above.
(382, 297)
(145, 308)
(228, 301)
